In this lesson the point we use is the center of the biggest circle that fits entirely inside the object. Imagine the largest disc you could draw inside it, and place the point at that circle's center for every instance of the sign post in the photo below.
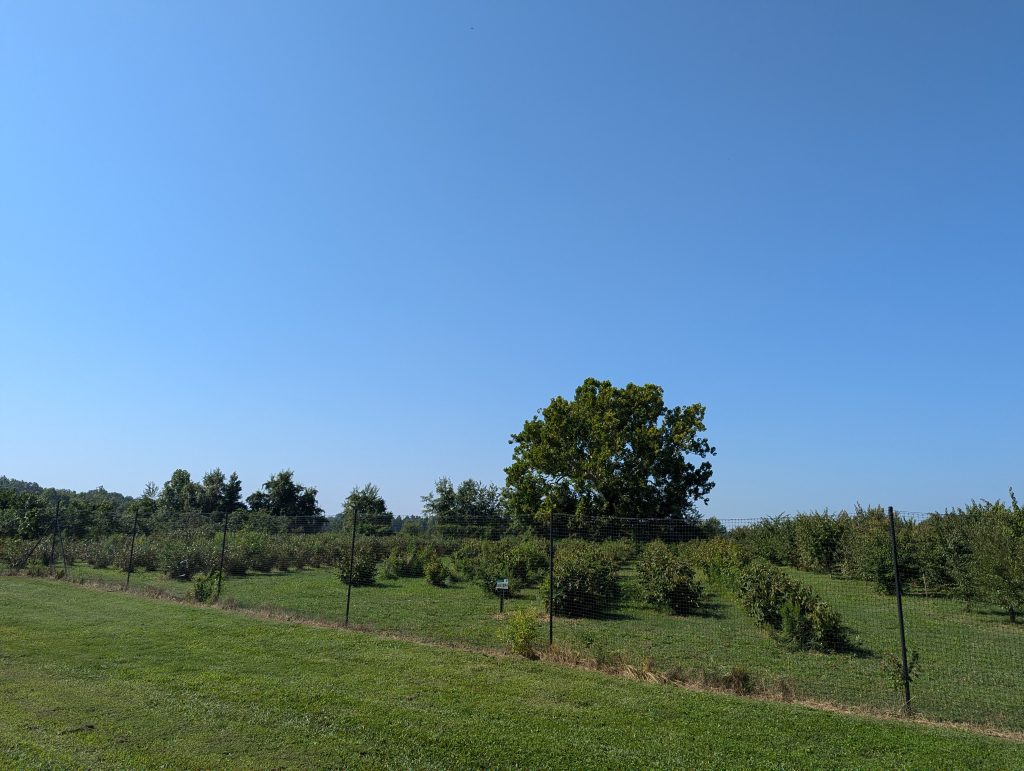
(501, 586)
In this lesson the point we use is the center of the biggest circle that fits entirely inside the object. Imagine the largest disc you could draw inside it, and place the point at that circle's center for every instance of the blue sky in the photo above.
(367, 241)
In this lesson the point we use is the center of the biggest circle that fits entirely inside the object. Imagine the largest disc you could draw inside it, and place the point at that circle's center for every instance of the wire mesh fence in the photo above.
(801, 608)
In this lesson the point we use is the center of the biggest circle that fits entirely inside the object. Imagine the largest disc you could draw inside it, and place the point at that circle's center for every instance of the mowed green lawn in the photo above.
(971, 663)
(101, 679)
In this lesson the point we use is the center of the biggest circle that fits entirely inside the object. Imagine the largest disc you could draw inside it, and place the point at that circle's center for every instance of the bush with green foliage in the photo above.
(523, 561)
(436, 572)
(251, 550)
(773, 539)
(998, 546)
(10, 552)
(204, 586)
(586, 581)
(792, 610)
(519, 631)
(368, 555)
(182, 556)
(721, 559)
(145, 555)
(867, 549)
(818, 541)
(408, 557)
(666, 581)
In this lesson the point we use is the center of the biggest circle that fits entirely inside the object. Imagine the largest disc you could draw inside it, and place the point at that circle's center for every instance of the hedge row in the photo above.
(792, 610)
(975, 553)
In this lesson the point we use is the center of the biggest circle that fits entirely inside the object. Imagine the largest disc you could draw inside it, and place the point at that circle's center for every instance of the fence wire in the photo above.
(802, 608)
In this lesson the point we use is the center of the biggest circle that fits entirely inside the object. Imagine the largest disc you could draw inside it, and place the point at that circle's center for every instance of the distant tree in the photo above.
(6, 483)
(472, 509)
(22, 514)
(219, 494)
(411, 524)
(211, 492)
(371, 511)
(609, 453)
(282, 498)
(232, 499)
(180, 497)
(146, 505)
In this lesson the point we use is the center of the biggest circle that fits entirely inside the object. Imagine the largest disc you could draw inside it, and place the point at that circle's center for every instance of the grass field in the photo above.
(100, 679)
(972, 663)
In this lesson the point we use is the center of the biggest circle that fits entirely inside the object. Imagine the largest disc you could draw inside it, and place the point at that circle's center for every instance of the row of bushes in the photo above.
(586, 573)
(792, 610)
(975, 553)
(523, 561)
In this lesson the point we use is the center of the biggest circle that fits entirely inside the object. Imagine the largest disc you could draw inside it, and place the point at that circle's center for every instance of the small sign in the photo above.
(501, 584)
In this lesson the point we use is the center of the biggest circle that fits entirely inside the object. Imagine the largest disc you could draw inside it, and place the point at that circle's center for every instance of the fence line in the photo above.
(850, 609)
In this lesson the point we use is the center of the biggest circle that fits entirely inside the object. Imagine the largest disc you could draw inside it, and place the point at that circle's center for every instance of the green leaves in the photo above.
(371, 511)
(667, 581)
(472, 509)
(610, 452)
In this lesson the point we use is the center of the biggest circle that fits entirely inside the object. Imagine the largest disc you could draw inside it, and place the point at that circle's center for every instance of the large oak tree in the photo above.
(606, 455)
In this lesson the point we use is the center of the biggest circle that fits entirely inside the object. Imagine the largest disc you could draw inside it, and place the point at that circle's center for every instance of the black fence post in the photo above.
(551, 579)
(351, 563)
(63, 549)
(23, 560)
(899, 613)
(223, 548)
(53, 538)
(131, 548)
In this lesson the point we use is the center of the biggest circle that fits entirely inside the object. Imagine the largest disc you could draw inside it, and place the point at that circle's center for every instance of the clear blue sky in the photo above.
(367, 241)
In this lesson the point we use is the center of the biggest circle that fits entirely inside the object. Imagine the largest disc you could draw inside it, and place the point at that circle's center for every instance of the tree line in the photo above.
(579, 467)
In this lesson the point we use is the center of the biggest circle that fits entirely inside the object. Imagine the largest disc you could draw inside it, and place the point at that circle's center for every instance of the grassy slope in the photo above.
(92, 678)
(972, 664)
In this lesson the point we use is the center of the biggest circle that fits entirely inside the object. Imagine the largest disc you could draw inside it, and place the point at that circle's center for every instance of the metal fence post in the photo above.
(63, 549)
(131, 549)
(53, 538)
(223, 548)
(899, 613)
(551, 579)
(351, 563)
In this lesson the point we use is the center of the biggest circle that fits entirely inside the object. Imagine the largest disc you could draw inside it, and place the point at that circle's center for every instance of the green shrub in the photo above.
(819, 540)
(182, 557)
(436, 572)
(327, 549)
(620, 550)
(367, 557)
(867, 550)
(666, 580)
(792, 610)
(519, 631)
(586, 582)
(251, 550)
(11, 550)
(945, 551)
(408, 557)
(721, 559)
(772, 538)
(523, 561)
(145, 556)
(204, 586)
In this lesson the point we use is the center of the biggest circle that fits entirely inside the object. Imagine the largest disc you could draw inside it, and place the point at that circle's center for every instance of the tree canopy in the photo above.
(370, 510)
(471, 509)
(281, 498)
(609, 453)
